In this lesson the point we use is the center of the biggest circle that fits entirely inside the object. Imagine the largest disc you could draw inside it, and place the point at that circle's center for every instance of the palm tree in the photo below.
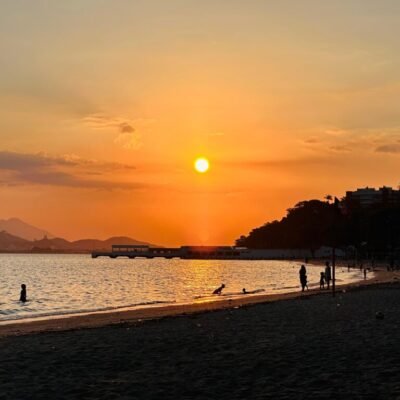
(328, 198)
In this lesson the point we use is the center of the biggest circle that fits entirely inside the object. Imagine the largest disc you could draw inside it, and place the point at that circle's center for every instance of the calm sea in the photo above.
(69, 284)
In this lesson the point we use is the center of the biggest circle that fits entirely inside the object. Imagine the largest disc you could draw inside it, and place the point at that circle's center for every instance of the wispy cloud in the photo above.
(311, 140)
(393, 148)
(128, 135)
(102, 121)
(278, 163)
(68, 171)
(335, 140)
(340, 148)
(337, 132)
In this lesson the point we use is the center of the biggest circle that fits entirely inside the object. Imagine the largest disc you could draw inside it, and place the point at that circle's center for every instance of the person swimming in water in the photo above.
(219, 290)
(22, 297)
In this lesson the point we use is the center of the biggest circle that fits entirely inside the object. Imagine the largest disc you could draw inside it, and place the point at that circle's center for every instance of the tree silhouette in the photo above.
(314, 223)
(328, 198)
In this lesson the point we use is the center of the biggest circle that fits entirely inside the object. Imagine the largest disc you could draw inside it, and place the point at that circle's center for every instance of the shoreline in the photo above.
(131, 316)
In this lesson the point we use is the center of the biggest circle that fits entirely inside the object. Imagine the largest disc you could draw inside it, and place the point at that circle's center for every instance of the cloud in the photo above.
(279, 164)
(13, 161)
(128, 141)
(127, 137)
(338, 140)
(126, 128)
(103, 121)
(58, 178)
(311, 140)
(388, 148)
(337, 132)
(68, 171)
(340, 148)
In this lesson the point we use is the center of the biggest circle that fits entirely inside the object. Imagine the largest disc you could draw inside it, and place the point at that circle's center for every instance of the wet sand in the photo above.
(311, 346)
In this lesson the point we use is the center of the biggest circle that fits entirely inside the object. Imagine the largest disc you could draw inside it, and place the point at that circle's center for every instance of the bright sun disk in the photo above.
(201, 165)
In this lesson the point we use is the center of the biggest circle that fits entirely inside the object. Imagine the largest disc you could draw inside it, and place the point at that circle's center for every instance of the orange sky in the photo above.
(104, 106)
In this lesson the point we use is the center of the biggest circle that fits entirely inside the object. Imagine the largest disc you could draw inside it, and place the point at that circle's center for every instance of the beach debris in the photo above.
(379, 315)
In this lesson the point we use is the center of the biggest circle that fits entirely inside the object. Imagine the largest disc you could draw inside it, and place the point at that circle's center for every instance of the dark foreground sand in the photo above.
(317, 347)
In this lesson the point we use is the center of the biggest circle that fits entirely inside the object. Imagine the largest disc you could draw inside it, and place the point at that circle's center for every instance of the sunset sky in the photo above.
(105, 105)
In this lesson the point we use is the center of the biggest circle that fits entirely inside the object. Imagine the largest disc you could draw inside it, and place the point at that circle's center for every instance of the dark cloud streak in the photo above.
(388, 148)
(18, 169)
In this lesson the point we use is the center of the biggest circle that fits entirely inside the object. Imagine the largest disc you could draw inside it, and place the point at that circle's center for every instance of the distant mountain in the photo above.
(95, 244)
(52, 244)
(17, 235)
(13, 243)
(16, 227)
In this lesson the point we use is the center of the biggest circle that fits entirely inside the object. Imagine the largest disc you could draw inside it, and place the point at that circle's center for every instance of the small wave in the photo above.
(228, 294)
(286, 287)
(12, 316)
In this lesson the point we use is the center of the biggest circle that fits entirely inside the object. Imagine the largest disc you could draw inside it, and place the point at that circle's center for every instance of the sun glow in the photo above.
(201, 165)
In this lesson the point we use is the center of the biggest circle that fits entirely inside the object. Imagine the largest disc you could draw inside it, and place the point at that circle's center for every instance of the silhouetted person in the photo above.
(245, 291)
(303, 278)
(219, 290)
(328, 276)
(22, 297)
(365, 273)
(322, 281)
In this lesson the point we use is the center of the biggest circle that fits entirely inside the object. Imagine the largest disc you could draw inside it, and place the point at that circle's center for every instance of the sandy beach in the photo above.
(312, 346)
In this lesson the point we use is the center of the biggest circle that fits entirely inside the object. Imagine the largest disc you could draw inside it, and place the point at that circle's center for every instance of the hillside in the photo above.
(95, 244)
(16, 235)
(21, 229)
(13, 243)
(372, 231)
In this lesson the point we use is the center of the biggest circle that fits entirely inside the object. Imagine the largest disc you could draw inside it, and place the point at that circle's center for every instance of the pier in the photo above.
(184, 252)
(214, 253)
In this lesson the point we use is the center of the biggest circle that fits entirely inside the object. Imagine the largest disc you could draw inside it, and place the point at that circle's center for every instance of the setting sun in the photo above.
(201, 165)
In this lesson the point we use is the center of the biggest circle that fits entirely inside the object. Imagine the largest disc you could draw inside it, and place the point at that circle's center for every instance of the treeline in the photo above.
(314, 223)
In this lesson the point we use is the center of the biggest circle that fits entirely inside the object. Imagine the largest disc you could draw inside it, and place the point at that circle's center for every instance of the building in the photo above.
(367, 197)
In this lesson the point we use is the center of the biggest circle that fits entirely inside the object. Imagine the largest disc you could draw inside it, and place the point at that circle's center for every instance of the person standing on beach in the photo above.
(303, 278)
(322, 281)
(22, 296)
(328, 276)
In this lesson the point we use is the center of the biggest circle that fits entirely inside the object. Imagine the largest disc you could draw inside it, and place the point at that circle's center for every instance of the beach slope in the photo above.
(312, 347)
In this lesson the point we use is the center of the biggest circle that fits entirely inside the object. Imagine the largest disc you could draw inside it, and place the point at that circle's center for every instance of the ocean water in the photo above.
(70, 284)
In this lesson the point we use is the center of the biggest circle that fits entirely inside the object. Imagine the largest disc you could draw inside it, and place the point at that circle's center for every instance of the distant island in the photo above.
(18, 236)
(366, 220)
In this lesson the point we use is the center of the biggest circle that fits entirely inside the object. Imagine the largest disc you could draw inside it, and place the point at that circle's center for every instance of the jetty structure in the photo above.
(184, 252)
(210, 253)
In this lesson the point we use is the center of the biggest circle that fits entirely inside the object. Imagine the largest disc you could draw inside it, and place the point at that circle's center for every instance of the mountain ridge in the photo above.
(18, 227)
(10, 241)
